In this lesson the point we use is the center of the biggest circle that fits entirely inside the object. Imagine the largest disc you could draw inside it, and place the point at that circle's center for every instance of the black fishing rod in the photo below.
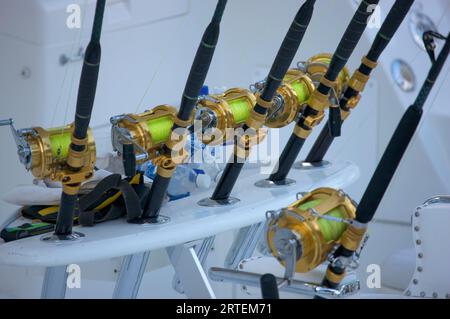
(313, 112)
(77, 170)
(279, 68)
(357, 83)
(166, 163)
(384, 172)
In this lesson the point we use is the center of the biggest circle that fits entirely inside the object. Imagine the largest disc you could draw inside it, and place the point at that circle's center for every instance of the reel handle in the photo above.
(269, 287)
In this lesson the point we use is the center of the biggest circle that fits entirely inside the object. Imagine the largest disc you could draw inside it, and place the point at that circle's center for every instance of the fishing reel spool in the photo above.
(147, 131)
(303, 235)
(44, 152)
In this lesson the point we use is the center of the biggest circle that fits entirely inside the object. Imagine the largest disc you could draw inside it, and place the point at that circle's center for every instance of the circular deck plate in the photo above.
(308, 166)
(208, 202)
(159, 221)
(75, 236)
(265, 183)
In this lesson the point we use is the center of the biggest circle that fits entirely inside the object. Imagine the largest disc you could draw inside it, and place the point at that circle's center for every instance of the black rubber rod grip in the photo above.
(288, 49)
(343, 52)
(201, 64)
(398, 144)
(228, 180)
(129, 160)
(89, 76)
(321, 146)
(388, 164)
(269, 287)
(350, 38)
(287, 158)
(390, 25)
(64, 220)
(155, 198)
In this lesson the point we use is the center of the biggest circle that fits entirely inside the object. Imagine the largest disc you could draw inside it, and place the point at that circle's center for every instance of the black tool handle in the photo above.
(280, 66)
(269, 287)
(85, 103)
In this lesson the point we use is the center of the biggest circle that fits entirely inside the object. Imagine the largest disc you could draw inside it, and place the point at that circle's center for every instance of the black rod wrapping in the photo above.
(85, 103)
(129, 160)
(228, 180)
(194, 84)
(287, 159)
(155, 198)
(64, 220)
(201, 64)
(343, 52)
(320, 146)
(280, 66)
(390, 25)
(398, 144)
(269, 287)
(89, 76)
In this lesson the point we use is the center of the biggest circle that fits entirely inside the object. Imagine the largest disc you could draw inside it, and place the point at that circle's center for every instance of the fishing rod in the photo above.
(313, 112)
(359, 79)
(78, 168)
(172, 152)
(351, 238)
(66, 154)
(285, 55)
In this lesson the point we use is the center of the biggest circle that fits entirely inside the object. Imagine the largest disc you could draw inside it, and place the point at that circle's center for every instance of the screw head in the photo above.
(420, 255)
(418, 242)
(408, 293)
(415, 281)
(417, 214)
(417, 228)
(435, 295)
(419, 269)
(422, 294)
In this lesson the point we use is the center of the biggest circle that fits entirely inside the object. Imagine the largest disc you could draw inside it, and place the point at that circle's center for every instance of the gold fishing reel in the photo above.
(45, 151)
(147, 131)
(303, 235)
(220, 114)
(317, 66)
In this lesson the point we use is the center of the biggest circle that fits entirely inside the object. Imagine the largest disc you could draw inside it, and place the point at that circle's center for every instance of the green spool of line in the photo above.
(60, 139)
(160, 129)
(327, 61)
(301, 90)
(240, 110)
(331, 230)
